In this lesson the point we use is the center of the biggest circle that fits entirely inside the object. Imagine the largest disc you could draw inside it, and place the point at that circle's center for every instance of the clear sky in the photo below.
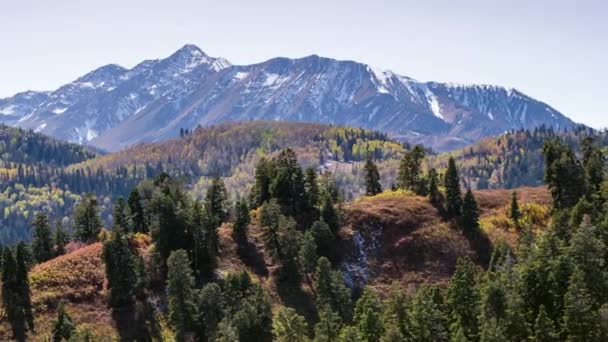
(553, 50)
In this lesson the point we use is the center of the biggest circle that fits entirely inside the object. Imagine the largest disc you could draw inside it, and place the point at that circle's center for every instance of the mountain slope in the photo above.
(113, 107)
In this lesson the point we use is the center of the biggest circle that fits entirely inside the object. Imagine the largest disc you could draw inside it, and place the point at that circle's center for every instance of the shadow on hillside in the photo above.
(481, 244)
(252, 258)
(293, 296)
(136, 323)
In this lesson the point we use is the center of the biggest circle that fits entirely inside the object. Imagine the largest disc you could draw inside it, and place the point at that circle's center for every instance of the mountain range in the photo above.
(114, 107)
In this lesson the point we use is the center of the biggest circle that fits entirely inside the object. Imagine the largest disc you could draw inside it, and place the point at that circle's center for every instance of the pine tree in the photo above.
(181, 295)
(323, 237)
(350, 334)
(120, 215)
(368, 316)
(594, 165)
(544, 329)
(264, 173)
(42, 244)
(63, 326)
(241, 223)
(396, 310)
(372, 178)
(87, 220)
(493, 331)
(463, 298)
(308, 256)
(254, 319)
(330, 289)
(564, 174)
(288, 186)
(210, 311)
(60, 239)
(120, 269)
(330, 215)
(514, 212)
(469, 220)
(328, 327)
(216, 201)
(428, 322)
(205, 241)
(312, 187)
(581, 320)
(452, 190)
(410, 170)
(23, 261)
(136, 212)
(288, 326)
(435, 196)
(11, 299)
(393, 334)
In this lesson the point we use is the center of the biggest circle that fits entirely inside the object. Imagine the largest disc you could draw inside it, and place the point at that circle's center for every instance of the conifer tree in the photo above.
(241, 223)
(493, 331)
(452, 189)
(372, 178)
(514, 212)
(63, 326)
(410, 170)
(288, 186)
(393, 334)
(271, 222)
(368, 316)
(564, 174)
(13, 306)
(288, 326)
(120, 269)
(463, 298)
(87, 220)
(581, 320)
(544, 329)
(210, 311)
(323, 237)
(330, 289)
(428, 322)
(60, 239)
(120, 215)
(330, 215)
(350, 334)
(216, 201)
(594, 165)
(264, 173)
(136, 212)
(24, 261)
(312, 187)
(328, 327)
(205, 241)
(469, 220)
(42, 244)
(181, 295)
(435, 195)
(254, 319)
(308, 256)
(396, 310)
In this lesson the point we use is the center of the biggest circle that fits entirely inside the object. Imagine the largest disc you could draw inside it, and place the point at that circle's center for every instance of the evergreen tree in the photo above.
(350, 334)
(372, 178)
(396, 311)
(121, 270)
(63, 326)
(323, 237)
(463, 298)
(594, 165)
(120, 215)
(564, 174)
(136, 212)
(254, 319)
(493, 331)
(13, 305)
(452, 190)
(288, 186)
(86, 219)
(410, 170)
(469, 220)
(435, 195)
(308, 256)
(288, 326)
(428, 322)
(581, 320)
(328, 327)
(24, 261)
(181, 295)
(172, 213)
(264, 173)
(60, 239)
(42, 244)
(312, 187)
(216, 201)
(514, 212)
(330, 215)
(203, 232)
(226, 332)
(544, 329)
(241, 223)
(210, 311)
(330, 289)
(393, 334)
(368, 317)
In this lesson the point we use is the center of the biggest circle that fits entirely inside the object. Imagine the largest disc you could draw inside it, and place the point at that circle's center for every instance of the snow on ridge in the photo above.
(220, 64)
(59, 110)
(9, 110)
(382, 78)
(433, 103)
(241, 75)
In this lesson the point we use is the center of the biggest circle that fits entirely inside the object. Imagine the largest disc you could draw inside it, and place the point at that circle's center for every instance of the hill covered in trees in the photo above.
(429, 260)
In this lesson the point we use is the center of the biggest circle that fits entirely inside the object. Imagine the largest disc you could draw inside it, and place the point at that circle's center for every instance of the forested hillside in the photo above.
(40, 174)
(428, 260)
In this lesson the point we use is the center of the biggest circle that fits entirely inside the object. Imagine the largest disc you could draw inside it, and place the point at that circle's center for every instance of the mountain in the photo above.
(114, 107)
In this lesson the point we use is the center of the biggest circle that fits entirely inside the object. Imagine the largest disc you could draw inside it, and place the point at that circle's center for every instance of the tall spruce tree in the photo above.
(288, 326)
(544, 329)
(514, 212)
(87, 220)
(181, 295)
(241, 223)
(60, 239)
(42, 245)
(63, 326)
(264, 173)
(453, 193)
(312, 187)
(564, 174)
(120, 269)
(469, 220)
(372, 178)
(120, 216)
(410, 170)
(13, 305)
(216, 201)
(136, 212)
(463, 298)
(368, 316)
(23, 261)
(581, 320)
(435, 195)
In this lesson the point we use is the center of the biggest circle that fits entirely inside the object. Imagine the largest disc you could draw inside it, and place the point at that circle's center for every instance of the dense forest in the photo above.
(162, 254)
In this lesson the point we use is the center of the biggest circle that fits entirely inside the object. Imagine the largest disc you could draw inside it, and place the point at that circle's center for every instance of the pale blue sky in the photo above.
(556, 51)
